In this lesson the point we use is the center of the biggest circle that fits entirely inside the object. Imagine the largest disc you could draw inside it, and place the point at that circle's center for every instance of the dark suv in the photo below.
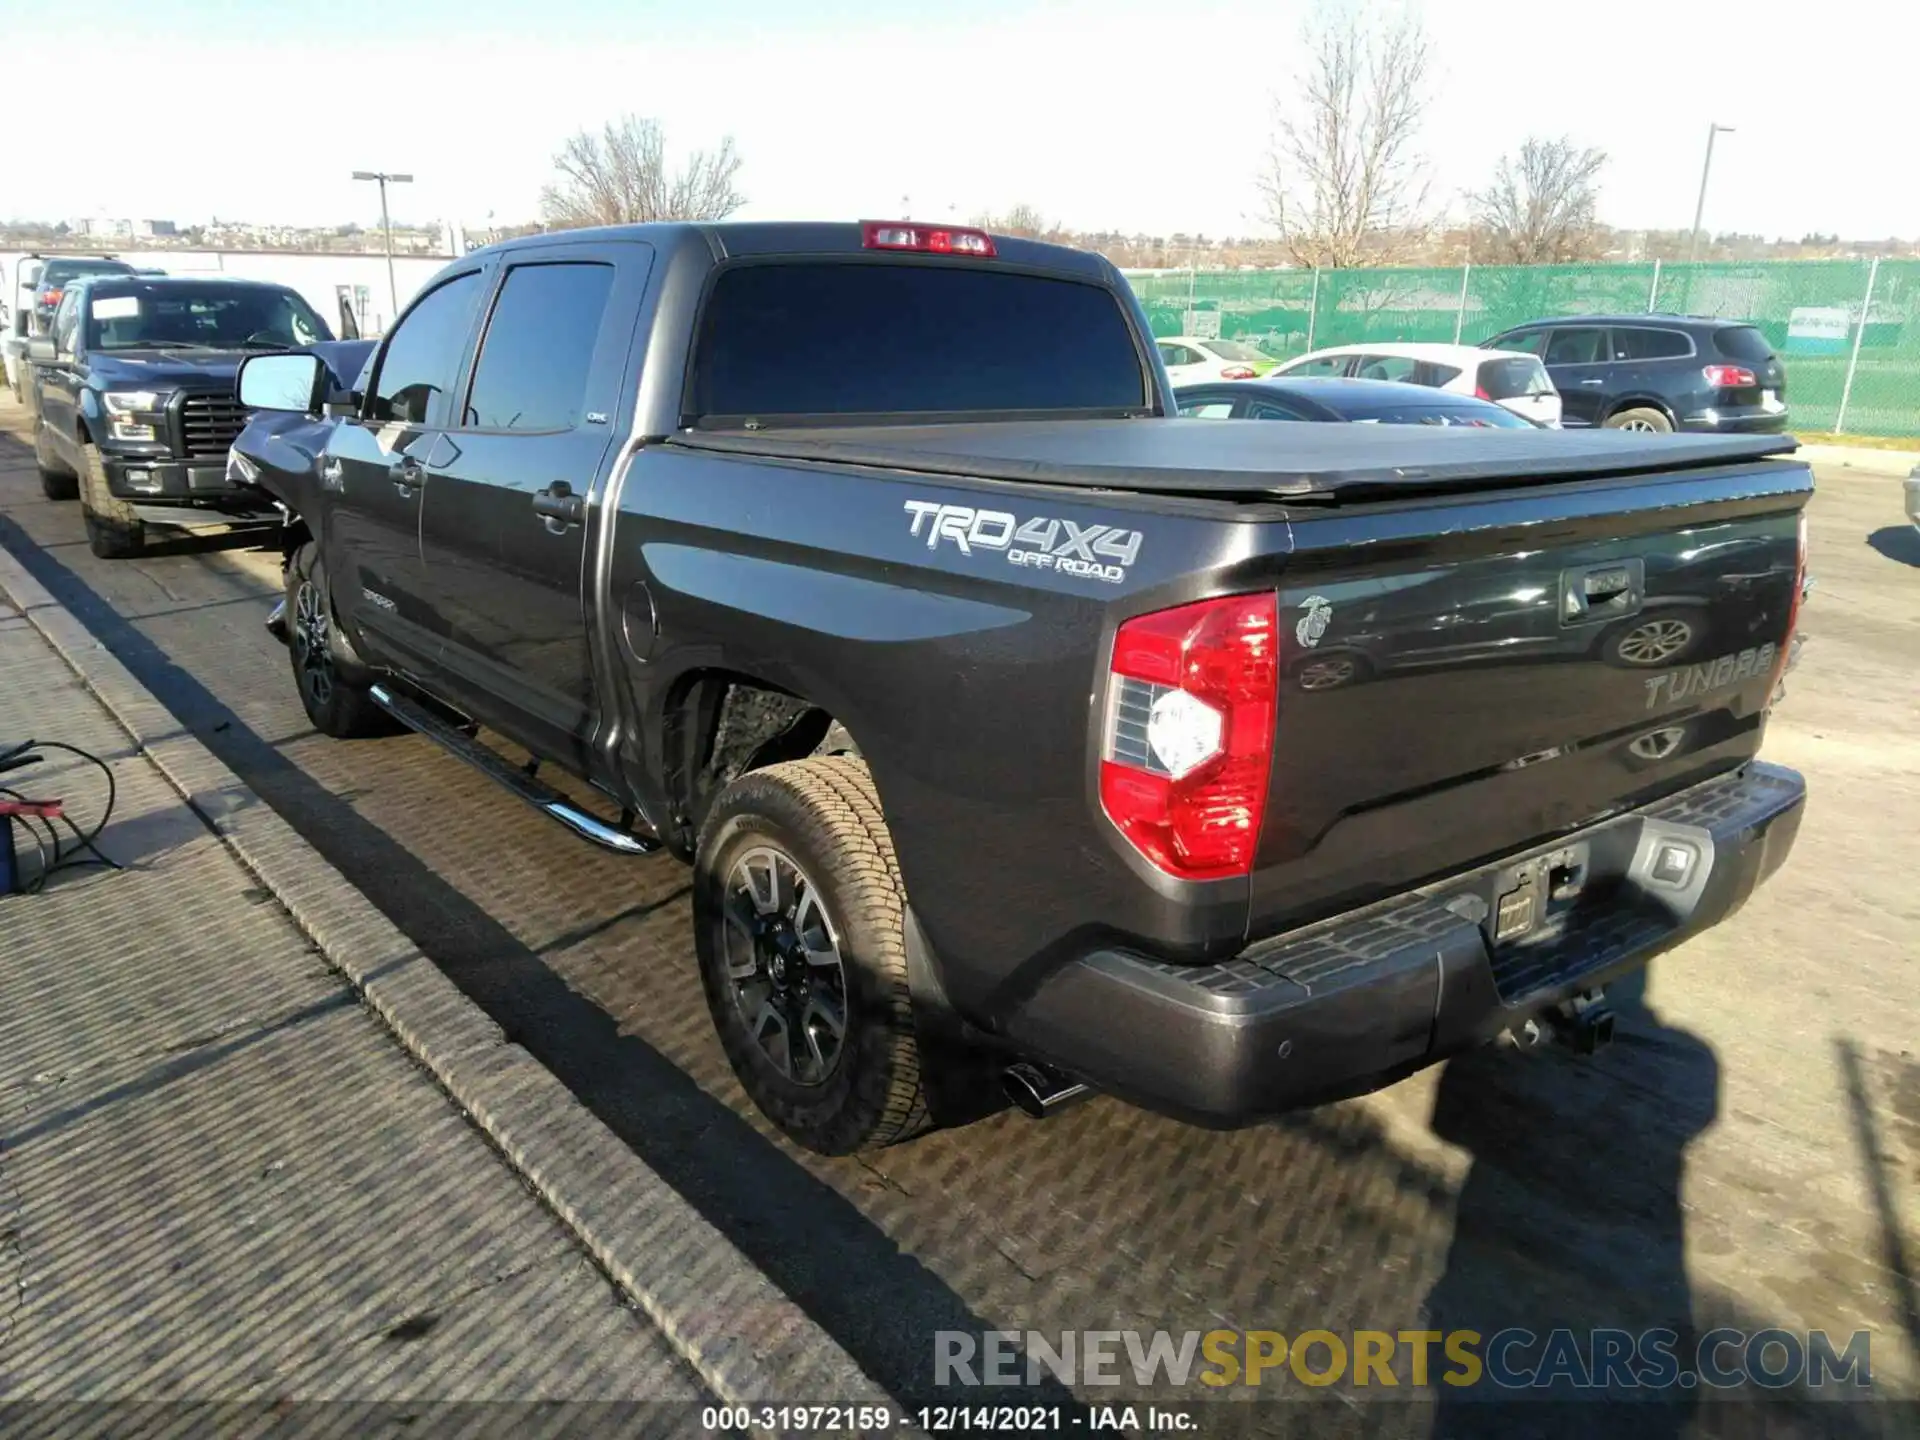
(1657, 372)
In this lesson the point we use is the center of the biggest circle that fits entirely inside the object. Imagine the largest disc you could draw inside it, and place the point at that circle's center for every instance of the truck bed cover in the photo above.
(1297, 461)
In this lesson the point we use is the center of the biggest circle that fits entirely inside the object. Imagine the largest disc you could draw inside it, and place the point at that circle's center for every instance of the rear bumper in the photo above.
(1355, 1002)
(1745, 421)
(1912, 483)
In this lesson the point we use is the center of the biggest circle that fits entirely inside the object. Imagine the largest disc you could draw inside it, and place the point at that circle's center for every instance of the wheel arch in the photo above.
(1641, 402)
(718, 723)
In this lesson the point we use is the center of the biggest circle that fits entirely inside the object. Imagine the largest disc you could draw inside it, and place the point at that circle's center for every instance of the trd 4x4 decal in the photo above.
(1091, 552)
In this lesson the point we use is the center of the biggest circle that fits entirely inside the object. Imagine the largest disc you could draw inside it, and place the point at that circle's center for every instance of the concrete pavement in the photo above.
(220, 1175)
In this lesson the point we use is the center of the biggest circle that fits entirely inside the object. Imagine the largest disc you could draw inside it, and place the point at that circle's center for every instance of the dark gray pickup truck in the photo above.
(1013, 727)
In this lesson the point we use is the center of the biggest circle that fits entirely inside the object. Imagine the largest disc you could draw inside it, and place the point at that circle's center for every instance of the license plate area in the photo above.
(1529, 901)
(207, 477)
(1770, 400)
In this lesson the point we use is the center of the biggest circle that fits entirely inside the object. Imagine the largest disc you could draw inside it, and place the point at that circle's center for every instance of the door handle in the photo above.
(559, 506)
(406, 477)
(1593, 382)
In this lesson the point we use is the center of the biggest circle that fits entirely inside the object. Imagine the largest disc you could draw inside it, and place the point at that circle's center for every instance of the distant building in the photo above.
(154, 229)
(97, 228)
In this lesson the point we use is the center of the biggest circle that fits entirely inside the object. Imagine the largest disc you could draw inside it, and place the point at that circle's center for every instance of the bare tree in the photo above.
(621, 177)
(1023, 220)
(1541, 208)
(1345, 183)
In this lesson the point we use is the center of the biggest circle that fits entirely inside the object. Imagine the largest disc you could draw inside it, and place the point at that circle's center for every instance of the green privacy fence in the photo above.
(1848, 331)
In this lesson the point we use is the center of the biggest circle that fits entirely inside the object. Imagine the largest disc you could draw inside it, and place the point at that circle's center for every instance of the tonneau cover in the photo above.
(1292, 460)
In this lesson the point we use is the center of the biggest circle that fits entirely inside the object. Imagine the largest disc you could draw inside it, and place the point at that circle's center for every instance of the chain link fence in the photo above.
(1848, 331)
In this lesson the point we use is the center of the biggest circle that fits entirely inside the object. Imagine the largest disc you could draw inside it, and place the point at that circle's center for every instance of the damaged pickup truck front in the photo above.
(1011, 726)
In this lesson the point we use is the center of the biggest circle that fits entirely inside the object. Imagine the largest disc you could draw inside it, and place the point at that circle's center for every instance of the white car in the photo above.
(1190, 360)
(1510, 378)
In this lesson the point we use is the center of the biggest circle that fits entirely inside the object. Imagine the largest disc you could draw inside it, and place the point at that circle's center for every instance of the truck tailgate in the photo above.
(1462, 678)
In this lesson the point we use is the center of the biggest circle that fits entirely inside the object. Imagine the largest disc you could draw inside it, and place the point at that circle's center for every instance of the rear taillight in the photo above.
(1785, 657)
(1191, 702)
(1480, 393)
(1730, 377)
(1237, 372)
(928, 240)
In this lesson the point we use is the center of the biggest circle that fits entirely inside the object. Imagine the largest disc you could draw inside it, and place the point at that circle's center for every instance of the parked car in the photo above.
(1189, 360)
(1516, 380)
(132, 398)
(1363, 402)
(1658, 373)
(972, 727)
(56, 272)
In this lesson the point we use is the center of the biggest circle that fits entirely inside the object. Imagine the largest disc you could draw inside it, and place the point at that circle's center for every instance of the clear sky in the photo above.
(1125, 115)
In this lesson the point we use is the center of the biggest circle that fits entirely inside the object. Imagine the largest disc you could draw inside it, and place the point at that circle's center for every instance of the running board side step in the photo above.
(516, 778)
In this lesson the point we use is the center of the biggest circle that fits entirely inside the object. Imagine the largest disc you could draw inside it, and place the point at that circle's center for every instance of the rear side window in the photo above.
(1433, 374)
(1577, 347)
(1386, 367)
(1636, 344)
(1528, 341)
(1743, 342)
(865, 338)
(1508, 379)
(1208, 410)
(1275, 410)
(532, 371)
(423, 353)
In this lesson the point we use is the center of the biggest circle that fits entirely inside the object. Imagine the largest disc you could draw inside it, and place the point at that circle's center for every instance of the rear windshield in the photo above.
(1509, 379)
(1482, 417)
(1743, 342)
(1234, 350)
(877, 338)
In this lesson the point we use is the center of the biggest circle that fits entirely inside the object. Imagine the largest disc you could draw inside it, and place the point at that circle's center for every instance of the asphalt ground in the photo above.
(1747, 1154)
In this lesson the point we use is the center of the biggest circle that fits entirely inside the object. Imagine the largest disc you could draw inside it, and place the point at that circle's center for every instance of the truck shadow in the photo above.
(1570, 1217)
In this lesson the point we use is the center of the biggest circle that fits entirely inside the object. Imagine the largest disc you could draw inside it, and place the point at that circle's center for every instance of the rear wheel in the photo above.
(336, 707)
(799, 923)
(114, 532)
(1641, 418)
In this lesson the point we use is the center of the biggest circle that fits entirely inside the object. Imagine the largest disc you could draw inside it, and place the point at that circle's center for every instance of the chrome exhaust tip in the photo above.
(1038, 1091)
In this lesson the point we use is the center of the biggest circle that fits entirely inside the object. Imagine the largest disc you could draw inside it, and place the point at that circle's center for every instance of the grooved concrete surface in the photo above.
(1747, 1154)
(220, 1177)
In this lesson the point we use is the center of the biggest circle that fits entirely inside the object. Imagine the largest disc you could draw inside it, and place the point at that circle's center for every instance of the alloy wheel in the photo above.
(310, 626)
(783, 962)
(1655, 643)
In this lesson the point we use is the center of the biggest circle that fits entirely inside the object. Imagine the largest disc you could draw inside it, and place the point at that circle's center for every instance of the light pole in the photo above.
(386, 229)
(1693, 245)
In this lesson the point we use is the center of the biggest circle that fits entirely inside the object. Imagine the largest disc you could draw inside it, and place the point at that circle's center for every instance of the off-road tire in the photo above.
(823, 814)
(336, 707)
(114, 532)
(1640, 417)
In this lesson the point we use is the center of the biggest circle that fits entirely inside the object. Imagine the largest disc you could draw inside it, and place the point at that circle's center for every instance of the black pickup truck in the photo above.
(132, 398)
(865, 567)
